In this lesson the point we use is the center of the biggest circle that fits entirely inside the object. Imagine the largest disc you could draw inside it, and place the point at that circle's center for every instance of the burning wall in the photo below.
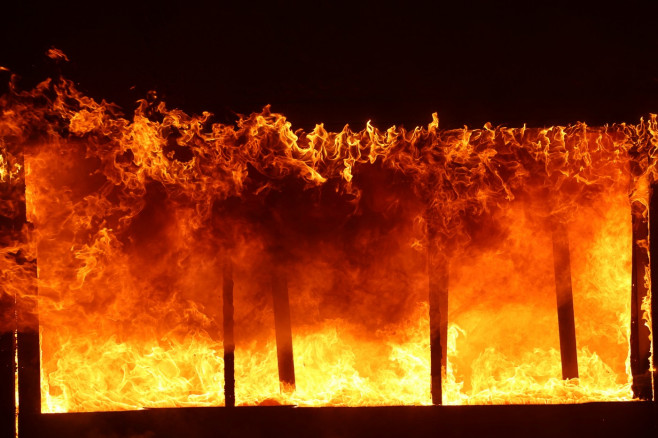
(134, 220)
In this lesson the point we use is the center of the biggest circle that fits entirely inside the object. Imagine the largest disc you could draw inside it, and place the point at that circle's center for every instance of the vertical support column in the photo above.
(653, 251)
(12, 219)
(229, 342)
(27, 336)
(278, 257)
(564, 294)
(640, 336)
(19, 332)
(438, 269)
(283, 328)
(29, 356)
(7, 365)
(438, 299)
(20, 354)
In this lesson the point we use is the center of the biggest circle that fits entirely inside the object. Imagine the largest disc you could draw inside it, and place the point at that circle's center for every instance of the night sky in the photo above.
(538, 63)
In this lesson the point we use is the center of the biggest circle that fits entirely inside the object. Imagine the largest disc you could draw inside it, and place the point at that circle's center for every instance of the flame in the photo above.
(57, 54)
(133, 217)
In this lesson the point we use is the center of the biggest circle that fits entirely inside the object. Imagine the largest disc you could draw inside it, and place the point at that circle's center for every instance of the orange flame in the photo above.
(134, 217)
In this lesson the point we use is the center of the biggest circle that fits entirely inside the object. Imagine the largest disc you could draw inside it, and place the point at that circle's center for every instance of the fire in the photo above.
(133, 219)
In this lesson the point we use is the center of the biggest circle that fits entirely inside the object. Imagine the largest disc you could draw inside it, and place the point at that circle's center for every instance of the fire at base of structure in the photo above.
(357, 268)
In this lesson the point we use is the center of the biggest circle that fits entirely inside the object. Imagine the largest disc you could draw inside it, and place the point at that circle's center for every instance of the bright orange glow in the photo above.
(133, 219)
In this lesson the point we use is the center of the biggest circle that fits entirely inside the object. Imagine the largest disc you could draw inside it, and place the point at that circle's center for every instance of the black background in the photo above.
(538, 63)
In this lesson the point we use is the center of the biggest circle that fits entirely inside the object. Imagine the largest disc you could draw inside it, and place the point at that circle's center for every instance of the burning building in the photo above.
(160, 260)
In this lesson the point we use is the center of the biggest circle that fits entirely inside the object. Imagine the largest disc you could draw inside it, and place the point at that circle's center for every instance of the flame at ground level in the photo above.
(351, 346)
(133, 221)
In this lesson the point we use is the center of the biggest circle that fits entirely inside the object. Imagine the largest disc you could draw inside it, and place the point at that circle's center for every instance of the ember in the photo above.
(396, 267)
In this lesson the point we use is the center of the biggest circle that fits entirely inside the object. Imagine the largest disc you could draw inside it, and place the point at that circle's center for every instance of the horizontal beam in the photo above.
(592, 419)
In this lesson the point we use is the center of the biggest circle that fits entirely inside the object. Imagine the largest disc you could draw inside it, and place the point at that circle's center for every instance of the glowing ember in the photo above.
(134, 219)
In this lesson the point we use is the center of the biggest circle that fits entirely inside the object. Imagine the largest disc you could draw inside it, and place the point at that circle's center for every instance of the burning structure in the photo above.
(183, 263)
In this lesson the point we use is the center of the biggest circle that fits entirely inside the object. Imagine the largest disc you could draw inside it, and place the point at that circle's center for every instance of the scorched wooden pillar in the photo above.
(7, 365)
(564, 294)
(653, 251)
(27, 345)
(437, 264)
(19, 327)
(282, 326)
(27, 337)
(640, 336)
(229, 342)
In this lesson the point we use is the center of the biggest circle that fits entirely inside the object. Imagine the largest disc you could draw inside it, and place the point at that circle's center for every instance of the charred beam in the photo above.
(438, 281)
(7, 366)
(437, 267)
(640, 344)
(564, 294)
(283, 329)
(653, 250)
(29, 354)
(229, 342)
(611, 419)
(19, 328)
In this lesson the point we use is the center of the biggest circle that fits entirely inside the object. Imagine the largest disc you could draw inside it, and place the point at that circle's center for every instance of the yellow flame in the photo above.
(132, 219)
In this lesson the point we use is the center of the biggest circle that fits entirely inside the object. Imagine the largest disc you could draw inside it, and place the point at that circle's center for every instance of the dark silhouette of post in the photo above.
(640, 344)
(283, 328)
(29, 355)
(564, 294)
(19, 332)
(438, 280)
(229, 342)
(437, 269)
(7, 365)
(653, 249)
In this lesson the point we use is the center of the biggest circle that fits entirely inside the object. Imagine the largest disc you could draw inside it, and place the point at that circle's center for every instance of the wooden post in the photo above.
(653, 251)
(12, 220)
(283, 329)
(640, 337)
(438, 281)
(19, 327)
(564, 294)
(7, 365)
(29, 351)
(437, 267)
(229, 342)
(29, 366)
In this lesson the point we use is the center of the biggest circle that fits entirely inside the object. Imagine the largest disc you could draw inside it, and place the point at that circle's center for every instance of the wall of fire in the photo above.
(181, 235)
